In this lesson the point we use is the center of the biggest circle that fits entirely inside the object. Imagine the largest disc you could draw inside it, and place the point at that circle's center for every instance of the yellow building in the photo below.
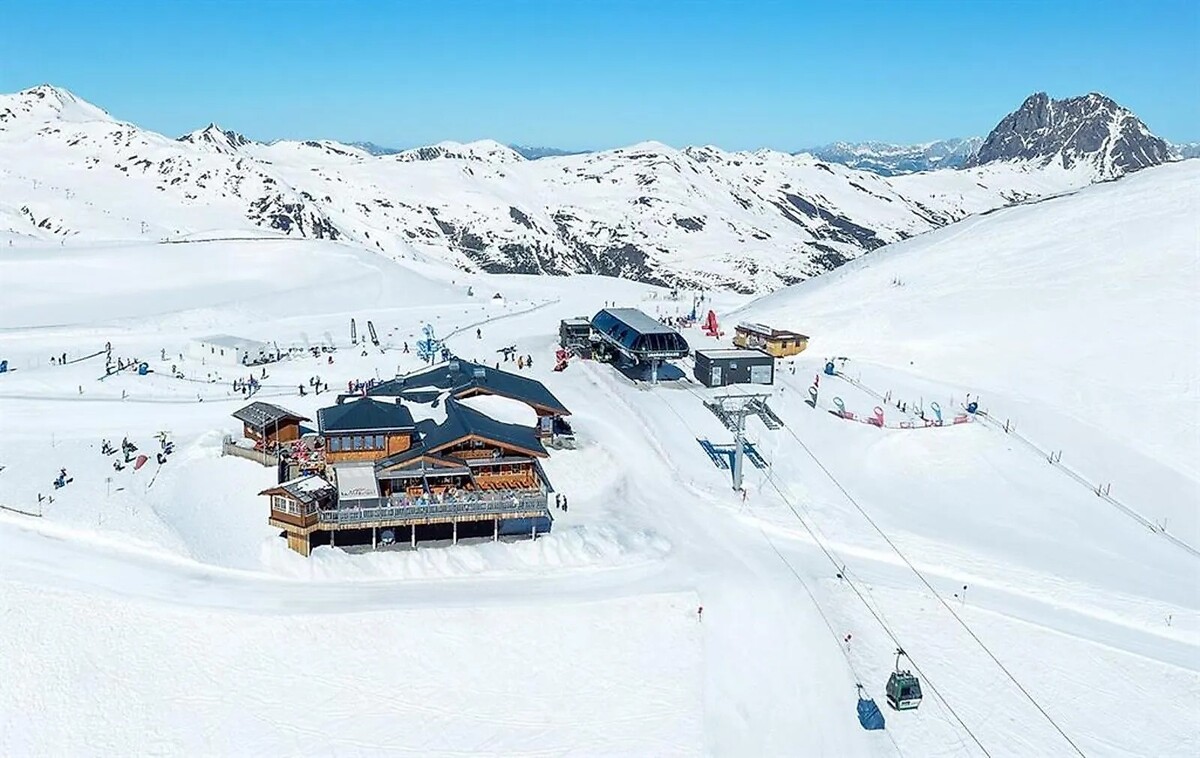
(778, 342)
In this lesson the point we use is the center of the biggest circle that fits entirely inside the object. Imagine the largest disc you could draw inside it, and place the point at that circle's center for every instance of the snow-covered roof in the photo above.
(732, 352)
(259, 414)
(307, 489)
(356, 481)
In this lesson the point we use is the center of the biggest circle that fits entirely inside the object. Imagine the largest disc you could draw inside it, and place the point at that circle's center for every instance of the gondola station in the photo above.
(623, 336)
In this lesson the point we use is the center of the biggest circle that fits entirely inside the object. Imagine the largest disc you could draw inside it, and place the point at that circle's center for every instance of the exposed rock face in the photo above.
(1091, 130)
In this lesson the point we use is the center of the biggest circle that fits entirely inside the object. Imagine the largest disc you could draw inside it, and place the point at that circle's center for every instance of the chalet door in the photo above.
(715, 379)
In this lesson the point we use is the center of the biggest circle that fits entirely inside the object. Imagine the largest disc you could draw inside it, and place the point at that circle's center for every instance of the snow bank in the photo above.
(573, 549)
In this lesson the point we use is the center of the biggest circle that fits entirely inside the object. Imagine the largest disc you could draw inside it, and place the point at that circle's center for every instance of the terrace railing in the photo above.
(399, 508)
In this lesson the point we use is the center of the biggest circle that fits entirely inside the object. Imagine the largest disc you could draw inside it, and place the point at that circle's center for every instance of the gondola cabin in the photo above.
(721, 368)
(779, 343)
(903, 691)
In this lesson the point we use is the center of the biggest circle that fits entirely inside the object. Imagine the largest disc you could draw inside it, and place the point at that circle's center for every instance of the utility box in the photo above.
(722, 367)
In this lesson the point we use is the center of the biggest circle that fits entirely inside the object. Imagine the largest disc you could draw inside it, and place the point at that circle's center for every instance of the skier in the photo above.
(700, 613)
(529, 361)
(478, 334)
(301, 386)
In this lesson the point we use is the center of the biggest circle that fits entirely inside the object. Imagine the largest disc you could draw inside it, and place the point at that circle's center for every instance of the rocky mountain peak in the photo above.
(215, 138)
(1089, 131)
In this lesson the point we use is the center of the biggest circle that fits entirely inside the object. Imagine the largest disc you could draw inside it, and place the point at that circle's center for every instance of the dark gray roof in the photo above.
(262, 415)
(364, 415)
(460, 422)
(638, 334)
(459, 376)
(642, 323)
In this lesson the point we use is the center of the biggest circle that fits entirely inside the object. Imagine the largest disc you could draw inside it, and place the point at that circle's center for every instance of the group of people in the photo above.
(560, 501)
(248, 386)
(356, 387)
(317, 386)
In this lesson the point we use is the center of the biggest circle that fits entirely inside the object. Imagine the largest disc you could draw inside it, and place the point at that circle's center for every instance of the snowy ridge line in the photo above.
(936, 595)
(1094, 488)
(1065, 469)
(841, 568)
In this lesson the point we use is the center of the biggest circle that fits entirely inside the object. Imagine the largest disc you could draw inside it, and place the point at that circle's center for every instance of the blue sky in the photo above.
(600, 73)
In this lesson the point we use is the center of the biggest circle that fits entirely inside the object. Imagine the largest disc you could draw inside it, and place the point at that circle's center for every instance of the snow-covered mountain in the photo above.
(701, 216)
(532, 153)
(487, 150)
(889, 160)
(1090, 131)
(1185, 150)
(373, 148)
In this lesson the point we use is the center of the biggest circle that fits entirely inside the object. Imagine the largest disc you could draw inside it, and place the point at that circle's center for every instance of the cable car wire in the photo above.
(930, 587)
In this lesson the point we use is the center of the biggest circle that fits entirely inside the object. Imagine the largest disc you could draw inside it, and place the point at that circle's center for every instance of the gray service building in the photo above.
(722, 367)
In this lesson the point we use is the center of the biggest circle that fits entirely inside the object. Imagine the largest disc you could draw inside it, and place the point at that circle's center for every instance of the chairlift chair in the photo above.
(903, 688)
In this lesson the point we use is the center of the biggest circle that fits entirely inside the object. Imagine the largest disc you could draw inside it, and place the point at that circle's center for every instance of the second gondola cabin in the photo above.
(723, 367)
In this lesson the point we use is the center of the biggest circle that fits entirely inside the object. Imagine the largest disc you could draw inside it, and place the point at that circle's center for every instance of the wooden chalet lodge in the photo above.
(387, 478)
(779, 343)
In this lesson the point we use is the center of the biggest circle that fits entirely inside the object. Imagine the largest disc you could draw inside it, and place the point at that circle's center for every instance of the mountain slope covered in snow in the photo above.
(1111, 271)
(701, 216)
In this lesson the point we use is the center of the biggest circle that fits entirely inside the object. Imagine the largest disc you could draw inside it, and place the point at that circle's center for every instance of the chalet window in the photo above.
(380, 442)
(285, 505)
(335, 444)
(358, 443)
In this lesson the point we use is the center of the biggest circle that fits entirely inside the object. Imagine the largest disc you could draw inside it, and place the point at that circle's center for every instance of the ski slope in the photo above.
(156, 612)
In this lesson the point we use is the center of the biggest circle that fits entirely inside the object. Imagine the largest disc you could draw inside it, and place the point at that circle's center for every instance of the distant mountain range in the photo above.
(888, 159)
(696, 217)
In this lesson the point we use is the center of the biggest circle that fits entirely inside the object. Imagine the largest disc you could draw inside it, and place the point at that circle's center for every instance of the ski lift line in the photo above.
(837, 640)
(877, 615)
(840, 566)
(936, 594)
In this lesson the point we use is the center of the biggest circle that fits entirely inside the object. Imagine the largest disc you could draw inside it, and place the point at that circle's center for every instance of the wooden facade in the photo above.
(287, 430)
(366, 446)
(779, 343)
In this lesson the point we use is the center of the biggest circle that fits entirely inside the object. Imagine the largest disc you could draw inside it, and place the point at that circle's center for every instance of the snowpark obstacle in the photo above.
(429, 349)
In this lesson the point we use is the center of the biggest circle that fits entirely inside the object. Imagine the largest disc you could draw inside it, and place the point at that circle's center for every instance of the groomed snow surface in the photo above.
(155, 612)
